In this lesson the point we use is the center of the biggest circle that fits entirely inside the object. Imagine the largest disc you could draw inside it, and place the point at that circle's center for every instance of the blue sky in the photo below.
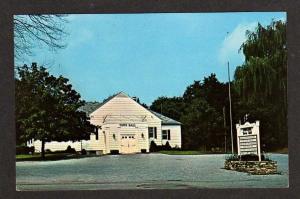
(148, 55)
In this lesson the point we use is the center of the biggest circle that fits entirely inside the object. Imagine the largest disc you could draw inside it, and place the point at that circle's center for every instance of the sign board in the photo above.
(248, 139)
(127, 125)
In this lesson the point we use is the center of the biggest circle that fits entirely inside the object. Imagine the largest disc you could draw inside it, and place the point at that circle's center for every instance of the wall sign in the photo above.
(248, 139)
(127, 125)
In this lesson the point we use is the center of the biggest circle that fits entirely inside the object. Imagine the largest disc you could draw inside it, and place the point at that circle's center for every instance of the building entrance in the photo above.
(128, 144)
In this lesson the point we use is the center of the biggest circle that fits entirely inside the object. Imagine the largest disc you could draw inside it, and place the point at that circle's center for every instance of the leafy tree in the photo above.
(47, 108)
(193, 91)
(263, 76)
(215, 92)
(172, 107)
(259, 89)
(141, 103)
(30, 30)
(200, 110)
(201, 125)
(261, 81)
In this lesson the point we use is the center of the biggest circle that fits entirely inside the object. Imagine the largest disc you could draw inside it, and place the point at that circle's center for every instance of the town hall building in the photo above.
(123, 126)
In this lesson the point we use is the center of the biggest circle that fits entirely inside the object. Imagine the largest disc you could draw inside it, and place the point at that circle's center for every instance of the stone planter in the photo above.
(252, 167)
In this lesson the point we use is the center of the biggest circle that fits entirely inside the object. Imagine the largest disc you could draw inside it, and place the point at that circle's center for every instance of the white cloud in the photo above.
(232, 43)
(283, 19)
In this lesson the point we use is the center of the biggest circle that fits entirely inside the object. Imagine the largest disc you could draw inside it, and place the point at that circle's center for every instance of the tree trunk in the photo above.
(43, 149)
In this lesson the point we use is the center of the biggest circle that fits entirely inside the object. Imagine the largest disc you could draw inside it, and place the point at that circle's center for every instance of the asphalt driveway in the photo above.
(142, 171)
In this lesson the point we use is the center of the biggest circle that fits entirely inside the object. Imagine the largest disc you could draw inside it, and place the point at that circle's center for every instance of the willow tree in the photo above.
(262, 80)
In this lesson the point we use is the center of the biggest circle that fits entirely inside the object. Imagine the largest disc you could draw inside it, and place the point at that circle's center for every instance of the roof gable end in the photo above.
(124, 95)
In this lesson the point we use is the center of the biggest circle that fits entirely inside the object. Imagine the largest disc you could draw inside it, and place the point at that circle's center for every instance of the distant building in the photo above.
(123, 126)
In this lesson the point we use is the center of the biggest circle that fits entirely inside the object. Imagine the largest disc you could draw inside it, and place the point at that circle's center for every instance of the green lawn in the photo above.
(182, 152)
(50, 156)
(26, 156)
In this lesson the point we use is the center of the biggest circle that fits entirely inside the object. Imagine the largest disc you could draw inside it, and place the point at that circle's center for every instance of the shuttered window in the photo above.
(152, 132)
(96, 133)
(166, 135)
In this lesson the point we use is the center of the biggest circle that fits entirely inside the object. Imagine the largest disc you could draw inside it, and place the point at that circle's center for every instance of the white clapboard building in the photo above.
(123, 126)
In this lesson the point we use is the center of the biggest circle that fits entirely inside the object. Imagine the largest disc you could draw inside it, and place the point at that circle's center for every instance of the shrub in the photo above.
(48, 151)
(114, 152)
(24, 150)
(249, 157)
(252, 157)
(176, 148)
(70, 150)
(153, 147)
(83, 152)
(31, 149)
(167, 146)
(232, 157)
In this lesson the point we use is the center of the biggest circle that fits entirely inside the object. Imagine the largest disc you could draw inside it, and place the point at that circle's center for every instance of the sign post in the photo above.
(248, 139)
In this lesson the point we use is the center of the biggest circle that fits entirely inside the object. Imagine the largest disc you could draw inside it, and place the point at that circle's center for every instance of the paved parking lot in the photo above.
(142, 171)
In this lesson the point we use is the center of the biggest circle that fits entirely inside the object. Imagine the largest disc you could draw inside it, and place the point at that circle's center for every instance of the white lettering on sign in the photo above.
(248, 144)
(127, 125)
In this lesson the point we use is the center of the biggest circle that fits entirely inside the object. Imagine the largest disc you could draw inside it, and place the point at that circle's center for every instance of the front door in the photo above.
(128, 144)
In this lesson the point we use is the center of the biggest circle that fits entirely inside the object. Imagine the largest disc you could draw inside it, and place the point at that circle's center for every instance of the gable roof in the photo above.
(90, 107)
(165, 120)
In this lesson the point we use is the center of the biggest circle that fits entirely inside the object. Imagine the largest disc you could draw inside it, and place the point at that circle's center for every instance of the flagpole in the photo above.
(225, 132)
(230, 112)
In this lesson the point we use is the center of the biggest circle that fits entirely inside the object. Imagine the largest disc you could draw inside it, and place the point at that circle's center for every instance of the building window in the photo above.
(166, 135)
(152, 132)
